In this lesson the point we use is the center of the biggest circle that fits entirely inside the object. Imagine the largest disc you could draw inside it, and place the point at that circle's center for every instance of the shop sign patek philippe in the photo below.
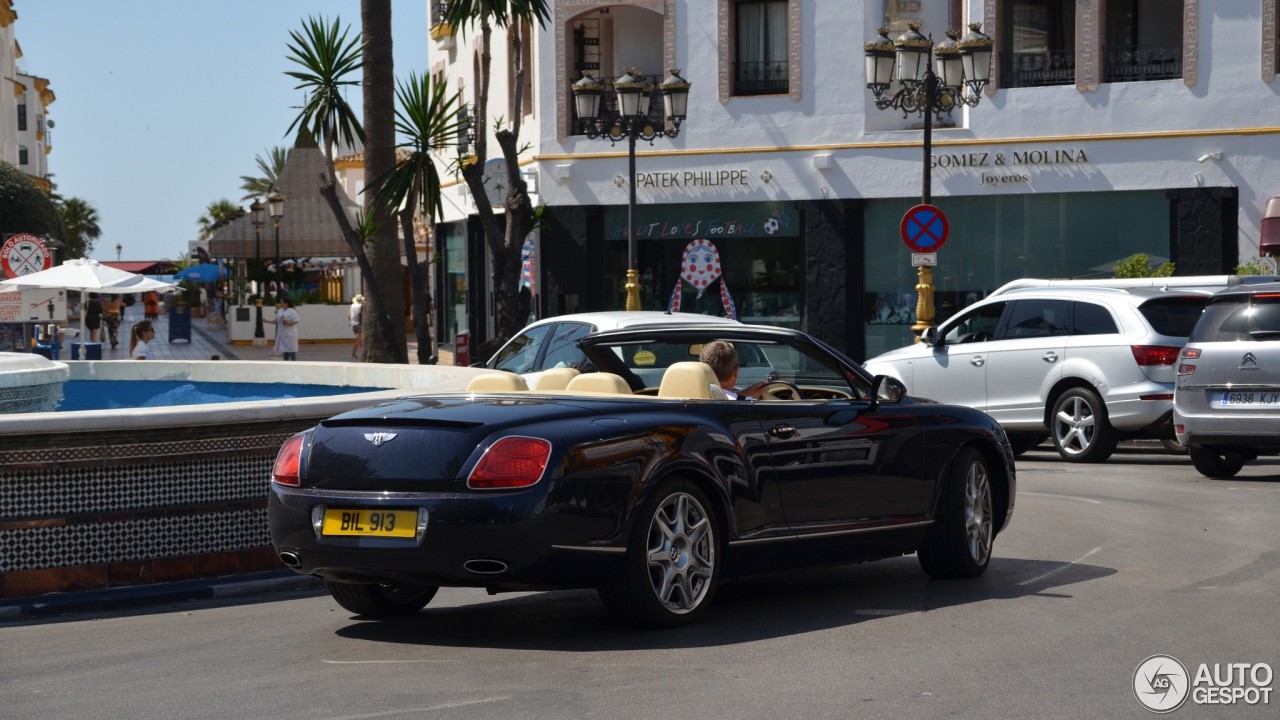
(1008, 167)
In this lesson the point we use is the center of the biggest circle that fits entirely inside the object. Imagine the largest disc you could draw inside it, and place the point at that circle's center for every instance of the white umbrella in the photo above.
(84, 275)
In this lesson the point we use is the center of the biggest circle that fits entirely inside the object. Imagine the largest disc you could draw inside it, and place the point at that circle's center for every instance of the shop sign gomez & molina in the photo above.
(1008, 167)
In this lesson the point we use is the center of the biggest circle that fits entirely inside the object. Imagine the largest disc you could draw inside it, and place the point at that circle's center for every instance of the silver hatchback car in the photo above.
(1227, 399)
(1086, 366)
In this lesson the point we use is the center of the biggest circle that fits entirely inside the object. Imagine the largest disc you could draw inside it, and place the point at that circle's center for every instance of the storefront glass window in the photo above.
(997, 239)
(453, 291)
(745, 258)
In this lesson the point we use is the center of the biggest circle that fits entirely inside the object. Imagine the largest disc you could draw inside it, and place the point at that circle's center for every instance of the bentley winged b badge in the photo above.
(379, 438)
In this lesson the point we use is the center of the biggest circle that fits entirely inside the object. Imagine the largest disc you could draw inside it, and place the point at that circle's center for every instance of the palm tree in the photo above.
(379, 159)
(426, 118)
(81, 221)
(327, 57)
(511, 307)
(270, 167)
(218, 213)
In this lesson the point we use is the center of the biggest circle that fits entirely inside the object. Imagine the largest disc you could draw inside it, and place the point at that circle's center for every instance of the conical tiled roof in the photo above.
(307, 229)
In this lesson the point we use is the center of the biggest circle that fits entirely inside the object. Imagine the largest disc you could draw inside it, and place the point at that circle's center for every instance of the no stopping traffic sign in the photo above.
(925, 228)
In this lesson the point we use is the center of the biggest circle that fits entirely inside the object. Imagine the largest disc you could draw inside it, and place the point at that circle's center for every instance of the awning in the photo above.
(144, 267)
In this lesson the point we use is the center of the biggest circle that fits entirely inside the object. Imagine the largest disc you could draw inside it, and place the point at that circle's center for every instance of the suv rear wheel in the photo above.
(1081, 431)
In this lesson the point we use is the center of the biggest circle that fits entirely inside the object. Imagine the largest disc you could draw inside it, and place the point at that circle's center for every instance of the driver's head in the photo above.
(723, 359)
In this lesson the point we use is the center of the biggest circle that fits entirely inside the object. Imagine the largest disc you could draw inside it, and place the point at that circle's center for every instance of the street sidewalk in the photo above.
(209, 341)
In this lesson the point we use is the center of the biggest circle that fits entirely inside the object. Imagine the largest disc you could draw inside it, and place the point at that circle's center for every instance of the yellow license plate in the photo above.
(370, 523)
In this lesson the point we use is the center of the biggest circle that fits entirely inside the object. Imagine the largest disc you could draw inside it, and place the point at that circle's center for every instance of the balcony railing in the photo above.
(1143, 62)
(1039, 69)
(760, 78)
(609, 106)
(437, 11)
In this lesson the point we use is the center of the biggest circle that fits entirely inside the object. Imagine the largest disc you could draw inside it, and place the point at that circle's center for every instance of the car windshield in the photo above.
(1240, 318)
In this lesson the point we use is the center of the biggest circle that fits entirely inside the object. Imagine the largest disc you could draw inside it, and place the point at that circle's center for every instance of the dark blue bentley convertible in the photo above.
(635, 474)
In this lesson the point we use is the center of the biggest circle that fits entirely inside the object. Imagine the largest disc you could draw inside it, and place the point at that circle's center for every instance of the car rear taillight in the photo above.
(1190, 353)
(513, 462)
(288, 460)
(1185, 369)
(1155, 354)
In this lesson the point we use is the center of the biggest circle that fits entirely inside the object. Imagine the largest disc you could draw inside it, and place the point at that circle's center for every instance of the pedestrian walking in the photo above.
(151, 301)
(354, 316)
(112, 312)
(140, 340)
(93, 318)
(286, 323)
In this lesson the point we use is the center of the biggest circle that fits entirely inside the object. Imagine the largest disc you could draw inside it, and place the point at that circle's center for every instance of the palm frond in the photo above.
(327, 58)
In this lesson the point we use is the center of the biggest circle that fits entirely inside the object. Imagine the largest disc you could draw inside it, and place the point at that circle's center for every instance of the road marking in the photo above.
(1057, 570)
(408, 711)
(382, 662)
(1064, 497)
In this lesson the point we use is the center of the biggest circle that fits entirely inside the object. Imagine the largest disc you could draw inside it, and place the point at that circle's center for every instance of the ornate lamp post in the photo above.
(963, 69)
(257, 212)
(631, 119)
(276, 202)
(119, 249)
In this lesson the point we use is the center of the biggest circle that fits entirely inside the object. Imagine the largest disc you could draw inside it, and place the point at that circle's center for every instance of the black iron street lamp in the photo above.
(630, 118)
(257, 212)
(119, 249)
(276, 202)
(963, 71)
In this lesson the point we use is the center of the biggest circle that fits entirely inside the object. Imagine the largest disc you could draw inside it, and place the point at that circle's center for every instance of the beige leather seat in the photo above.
(554, 379)
(599, 382)
(690, 380)
(497, 382)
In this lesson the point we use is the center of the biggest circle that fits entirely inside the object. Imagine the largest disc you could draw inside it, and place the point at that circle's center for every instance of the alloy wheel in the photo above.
(977, 512)
(1075, 425)
(681, 553)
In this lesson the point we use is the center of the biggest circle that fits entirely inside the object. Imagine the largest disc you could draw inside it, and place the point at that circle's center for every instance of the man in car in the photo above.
(723, 359)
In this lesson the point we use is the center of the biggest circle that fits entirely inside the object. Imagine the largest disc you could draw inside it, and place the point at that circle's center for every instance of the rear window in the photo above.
(1240, 318)
(1174, 316)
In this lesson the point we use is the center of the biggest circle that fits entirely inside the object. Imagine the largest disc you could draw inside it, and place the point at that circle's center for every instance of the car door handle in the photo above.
(1051, 356)
(977, 360)
(782, 431)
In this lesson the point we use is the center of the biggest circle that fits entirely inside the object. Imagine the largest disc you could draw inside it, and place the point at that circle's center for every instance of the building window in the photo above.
(1143, 41)
(22, 117)
(1040, 43)
(22, 155)
(761, 58)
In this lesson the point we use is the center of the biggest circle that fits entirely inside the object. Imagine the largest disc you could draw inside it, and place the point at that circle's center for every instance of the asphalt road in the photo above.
(1104, 566)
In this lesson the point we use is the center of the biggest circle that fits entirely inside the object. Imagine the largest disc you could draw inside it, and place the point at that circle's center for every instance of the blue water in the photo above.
(117, 394)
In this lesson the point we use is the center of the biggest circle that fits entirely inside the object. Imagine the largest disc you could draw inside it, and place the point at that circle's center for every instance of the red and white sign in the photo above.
(26, 305)
(23, 254)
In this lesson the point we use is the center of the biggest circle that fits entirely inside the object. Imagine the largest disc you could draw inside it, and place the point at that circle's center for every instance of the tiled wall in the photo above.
(108, 508)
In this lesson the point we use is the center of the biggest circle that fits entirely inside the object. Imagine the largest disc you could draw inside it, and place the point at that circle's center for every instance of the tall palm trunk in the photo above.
(379, 159)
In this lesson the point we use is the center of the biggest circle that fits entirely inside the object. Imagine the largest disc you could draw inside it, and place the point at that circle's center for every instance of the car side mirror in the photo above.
(887, 389)
(930, 336)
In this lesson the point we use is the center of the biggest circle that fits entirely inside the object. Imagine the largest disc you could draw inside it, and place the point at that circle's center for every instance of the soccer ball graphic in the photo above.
(771, 226)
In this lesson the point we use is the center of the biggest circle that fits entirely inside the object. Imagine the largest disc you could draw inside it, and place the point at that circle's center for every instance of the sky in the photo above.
(163, 104)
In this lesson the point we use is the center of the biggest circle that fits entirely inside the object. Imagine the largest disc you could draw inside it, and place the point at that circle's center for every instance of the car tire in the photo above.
(1215, 463)
(1173, 446)
(1081, 431)
(1022, 442)
(959, 543)
(671, 566)
(387, 600)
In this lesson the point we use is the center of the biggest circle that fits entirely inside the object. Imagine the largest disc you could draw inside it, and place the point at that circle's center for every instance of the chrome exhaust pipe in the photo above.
(485, 567)
(291, 559)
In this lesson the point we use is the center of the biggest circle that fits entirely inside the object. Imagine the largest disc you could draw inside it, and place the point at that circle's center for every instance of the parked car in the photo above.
(1227, 399)
(653, 492)
(553, 342)
(1087, 366)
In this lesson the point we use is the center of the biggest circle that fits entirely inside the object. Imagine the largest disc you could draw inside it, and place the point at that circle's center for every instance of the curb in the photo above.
(224, 588)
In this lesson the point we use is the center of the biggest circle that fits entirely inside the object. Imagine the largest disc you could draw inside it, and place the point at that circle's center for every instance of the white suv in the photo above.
(1087, 366)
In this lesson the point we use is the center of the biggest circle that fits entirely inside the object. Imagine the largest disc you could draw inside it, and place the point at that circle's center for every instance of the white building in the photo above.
(1110, 127)
(25, 140)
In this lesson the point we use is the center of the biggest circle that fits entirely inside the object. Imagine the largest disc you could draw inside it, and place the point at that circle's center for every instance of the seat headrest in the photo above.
(600, 382)
(554, 379)
(497, 382)
(691, 380)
